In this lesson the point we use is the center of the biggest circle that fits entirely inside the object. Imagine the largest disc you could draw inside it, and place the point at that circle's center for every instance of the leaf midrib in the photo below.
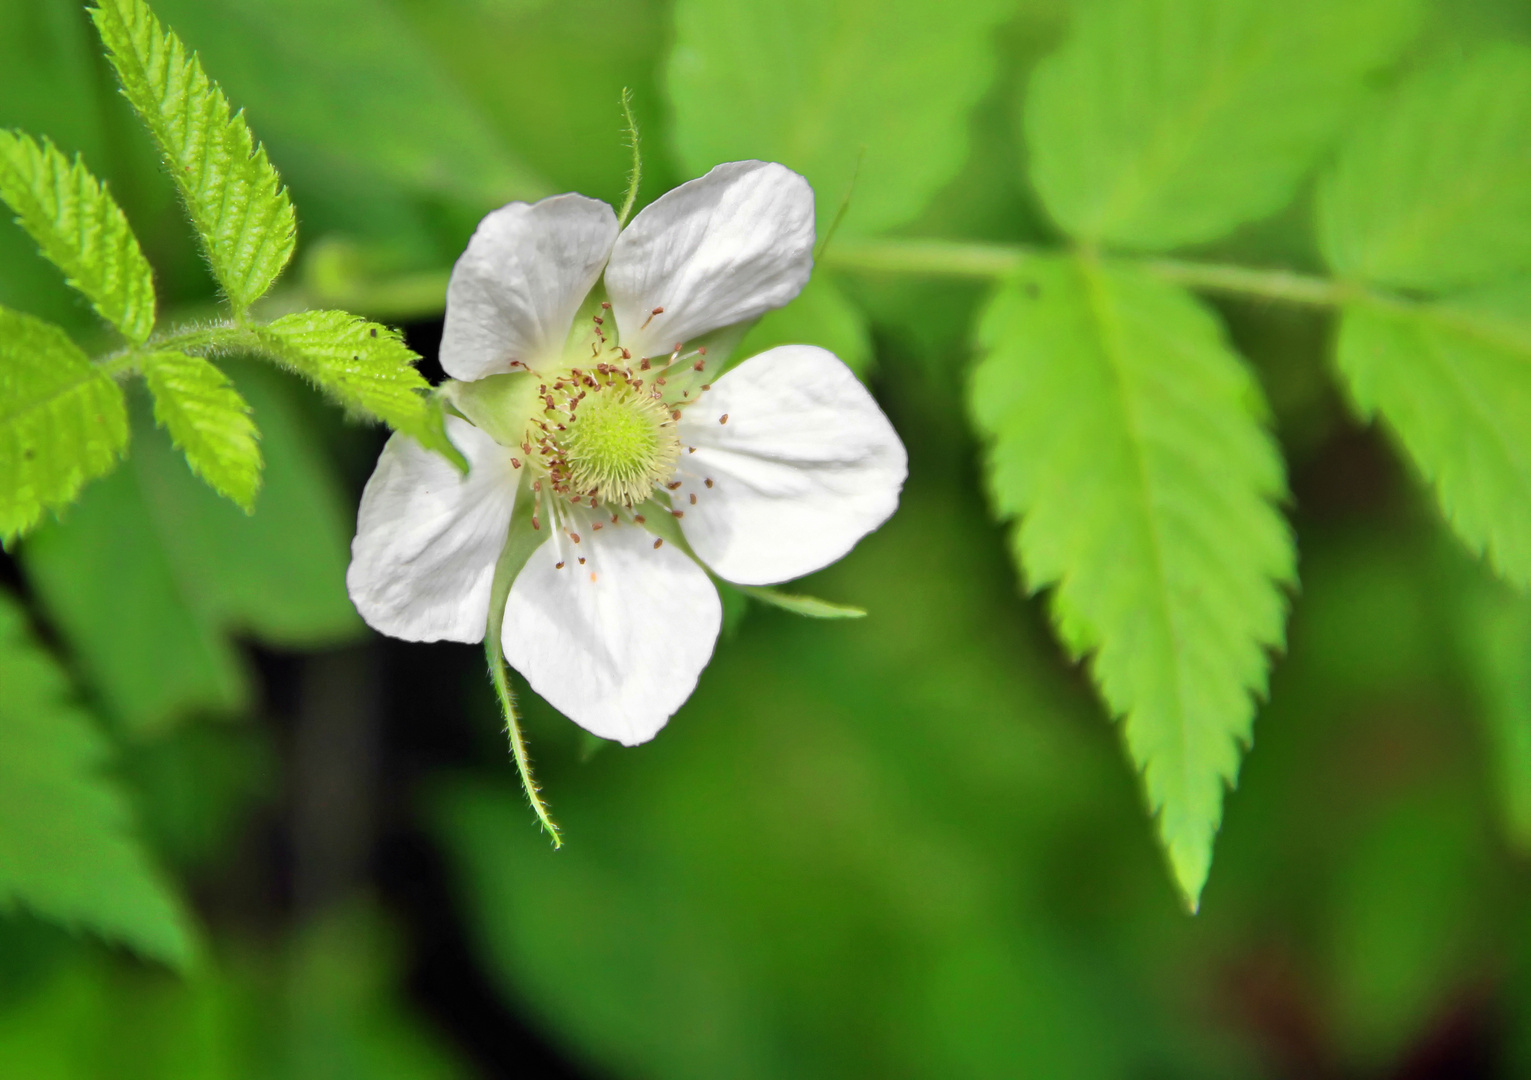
(1113, 351)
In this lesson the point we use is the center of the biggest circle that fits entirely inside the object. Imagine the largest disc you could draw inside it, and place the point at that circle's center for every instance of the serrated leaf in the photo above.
(810, 606)
(1453, 382)
(364, 366)
(66, 846)
(1434, 192)
(1127, 439)
(62, 422)
(1162, 123)
(154, 549)
(826, 85)
(208, 421)
(80, 229)
(233, 195)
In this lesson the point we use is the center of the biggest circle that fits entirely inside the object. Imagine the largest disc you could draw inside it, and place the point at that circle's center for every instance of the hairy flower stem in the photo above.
(519, 545)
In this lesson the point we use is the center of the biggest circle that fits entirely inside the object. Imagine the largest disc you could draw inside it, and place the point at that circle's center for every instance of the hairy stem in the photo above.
(519, 545)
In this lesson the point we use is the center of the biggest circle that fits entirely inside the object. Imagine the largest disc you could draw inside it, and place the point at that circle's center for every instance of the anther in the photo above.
(639, 518)
(707, 386)
(515, 463)
(582, 560)
(723, 419)
(558, 566)
(708, 481)
(678, 513)
(574, 537)
(605, 306)
(675, 414)
(673, 485)
(693, 498)
(645, 365)
(657, 544)
(535, 523)
(656, 311)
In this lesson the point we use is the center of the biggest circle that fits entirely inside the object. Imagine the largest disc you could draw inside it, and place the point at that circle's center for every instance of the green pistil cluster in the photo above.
(619, 444)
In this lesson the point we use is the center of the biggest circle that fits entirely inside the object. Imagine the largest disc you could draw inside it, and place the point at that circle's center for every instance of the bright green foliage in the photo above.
(1453, 381)
(1169, 122)
(66, 847)
(234, 197)
(209, 421)
(1128, 441)
(814, 83)
(820, 315)
(1435, 191)
(811, 606)
(153, 548)
(62, 422)
(81, 230)
(364, 366)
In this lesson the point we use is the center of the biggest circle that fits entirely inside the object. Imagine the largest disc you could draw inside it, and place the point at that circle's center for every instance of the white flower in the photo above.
(608, 419)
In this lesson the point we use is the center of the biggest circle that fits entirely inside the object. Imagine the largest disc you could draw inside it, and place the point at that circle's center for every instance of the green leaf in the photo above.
(80, 229)
(814, 84)
(66, 846)
(364, 366)
(811, 606)
(1434, 192)
(1169, 122)
(153, 548)
(62, 422)
(209, 421)
(1453, 382)
(234, 197)
(1128, 440)
(820, 315)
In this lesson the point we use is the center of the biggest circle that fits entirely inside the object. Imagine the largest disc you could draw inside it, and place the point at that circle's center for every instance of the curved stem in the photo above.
(519, 545)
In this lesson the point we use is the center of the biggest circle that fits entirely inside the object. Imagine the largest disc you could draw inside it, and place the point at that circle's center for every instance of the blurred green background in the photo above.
(910, 846)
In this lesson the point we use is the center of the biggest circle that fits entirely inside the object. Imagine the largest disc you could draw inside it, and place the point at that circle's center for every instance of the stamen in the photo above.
(657, 544)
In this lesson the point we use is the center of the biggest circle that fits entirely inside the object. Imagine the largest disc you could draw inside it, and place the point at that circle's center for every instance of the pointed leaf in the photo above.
(364, 366)
(62, 422)
(1162, 123)
(80, 229)
(1435, 191)
(1127, 438)
(66, 846)
(233, 195)
(1453, 381)
(209, 421)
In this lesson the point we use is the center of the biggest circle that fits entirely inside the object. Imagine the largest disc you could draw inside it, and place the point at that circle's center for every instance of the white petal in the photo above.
(515, 291)
(616, 644)
(805, 466)
(713, 252)
(427, 537)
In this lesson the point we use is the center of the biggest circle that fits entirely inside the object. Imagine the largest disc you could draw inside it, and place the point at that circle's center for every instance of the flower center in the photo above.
(619, 444)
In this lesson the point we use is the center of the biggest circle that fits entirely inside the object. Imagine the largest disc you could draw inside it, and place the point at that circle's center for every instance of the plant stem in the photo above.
(943, 258)
(518, 547)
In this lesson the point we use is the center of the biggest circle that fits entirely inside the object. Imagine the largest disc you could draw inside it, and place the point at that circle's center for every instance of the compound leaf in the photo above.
(1127, 439)
(80, 229)
(1453, 382)
(66, 847)
(1434, 192)
(233, 195)
(209, 421)
(1169, 122)
(364, 366)
(62, 421)
(825, 86)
